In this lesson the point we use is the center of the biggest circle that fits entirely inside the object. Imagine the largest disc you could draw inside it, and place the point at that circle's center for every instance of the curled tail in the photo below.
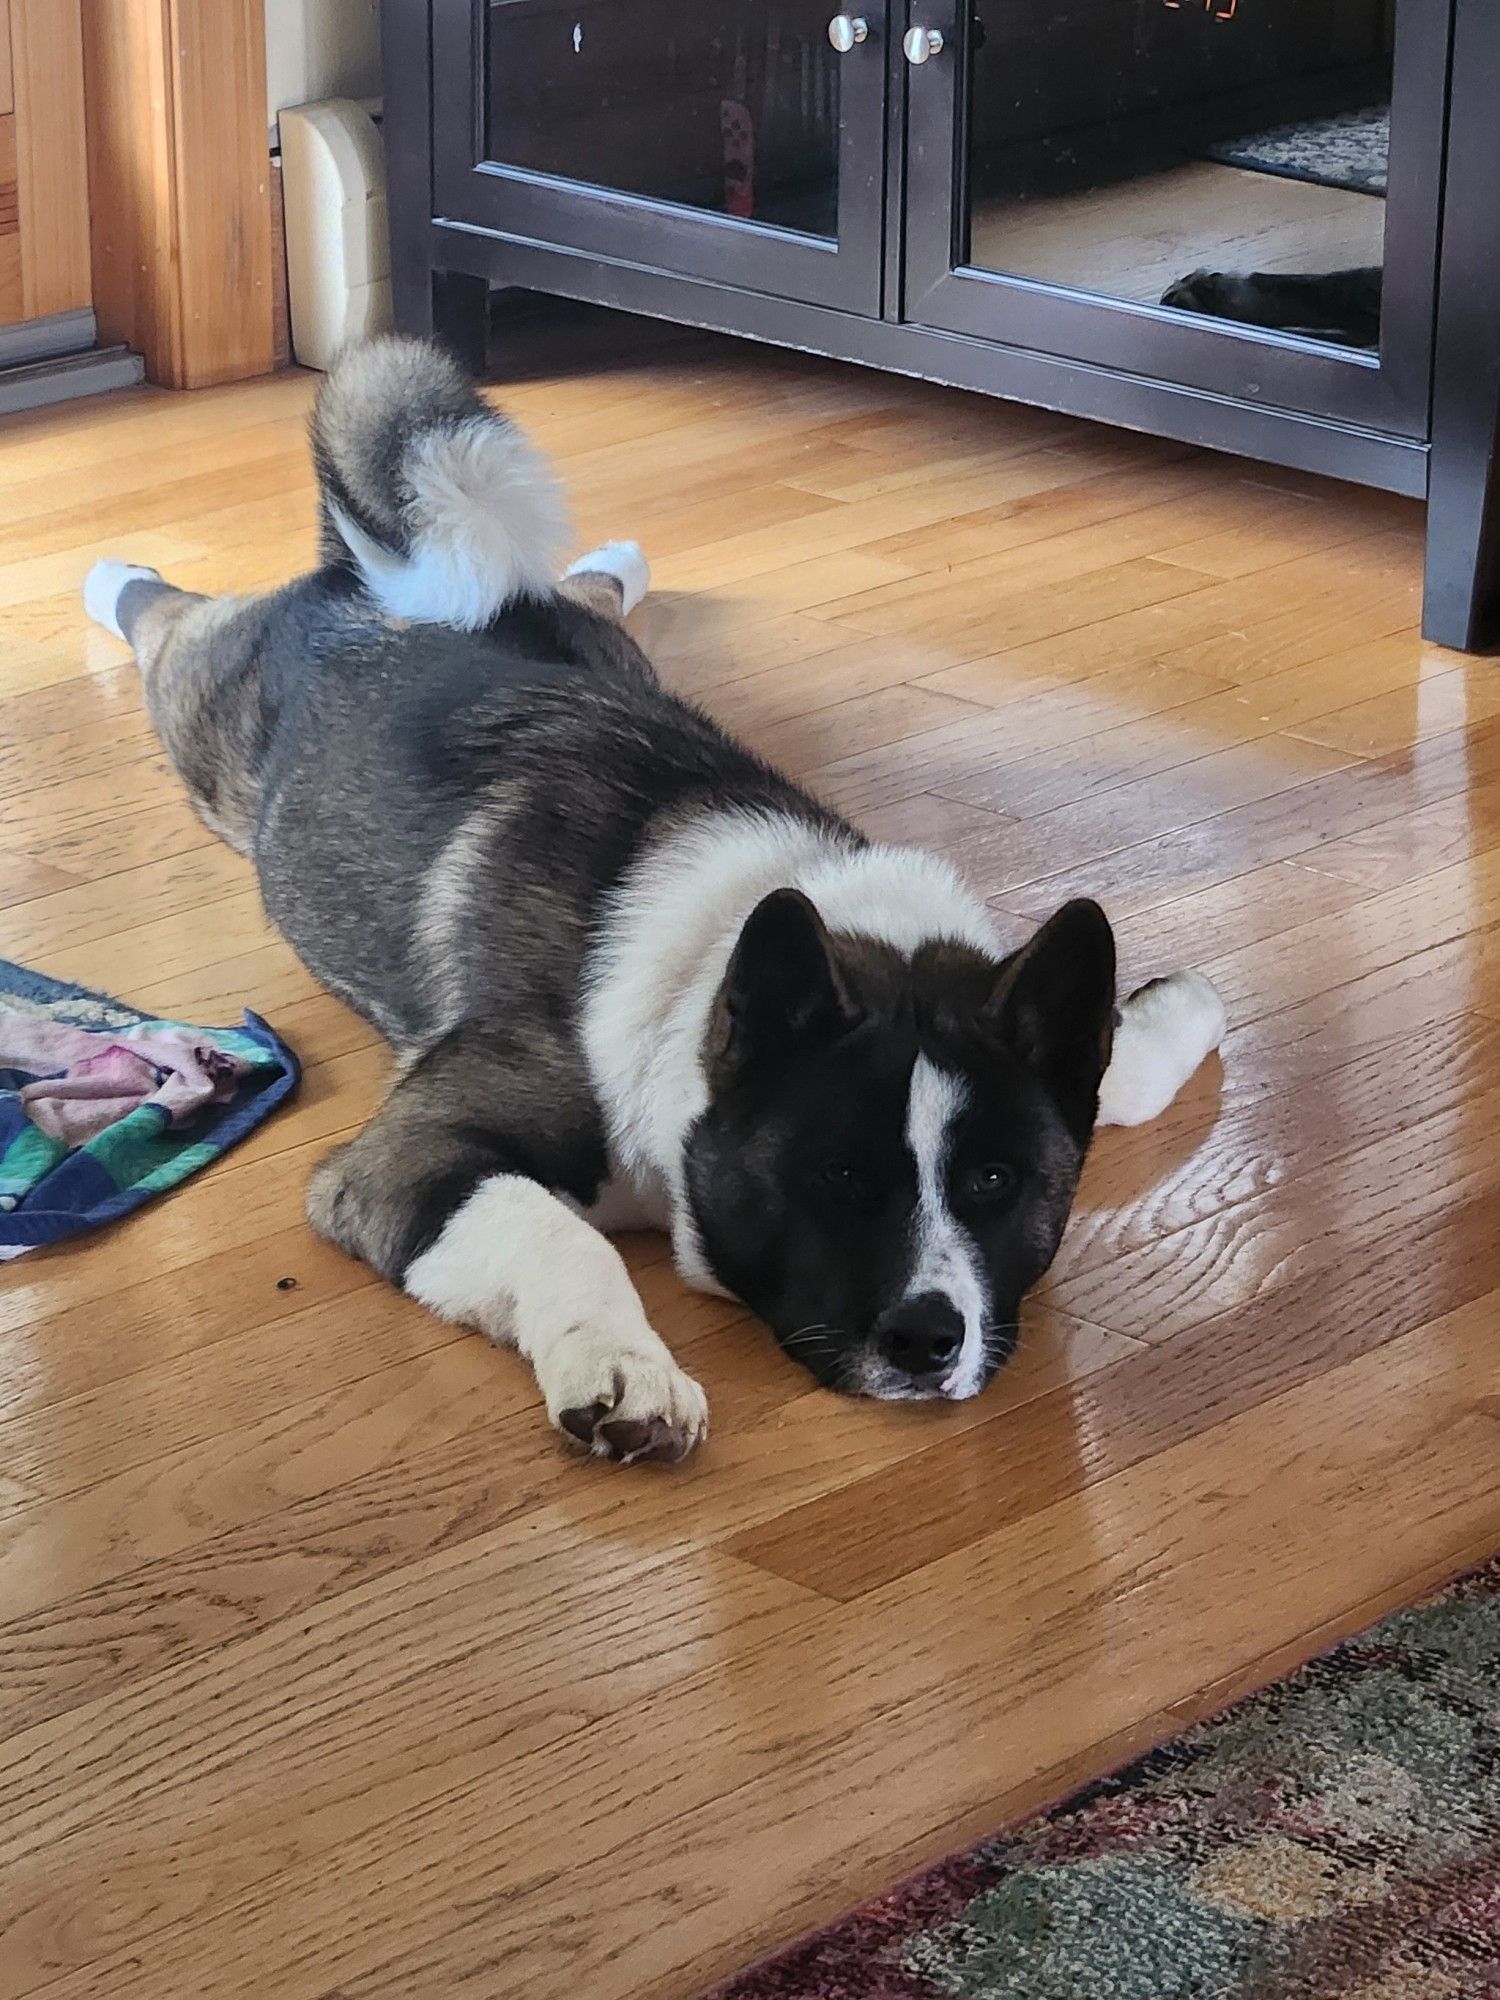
(447, 510)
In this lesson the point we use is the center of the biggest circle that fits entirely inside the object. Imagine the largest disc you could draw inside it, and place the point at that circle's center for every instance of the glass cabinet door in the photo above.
(737, 143)
(1236, 194)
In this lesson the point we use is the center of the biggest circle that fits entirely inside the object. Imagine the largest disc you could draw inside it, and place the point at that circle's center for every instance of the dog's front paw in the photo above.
(1167, 1028)
(624, 1402)
(1201, 291)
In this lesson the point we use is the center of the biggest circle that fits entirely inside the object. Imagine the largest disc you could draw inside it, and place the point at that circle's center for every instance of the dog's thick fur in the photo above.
(627, 968)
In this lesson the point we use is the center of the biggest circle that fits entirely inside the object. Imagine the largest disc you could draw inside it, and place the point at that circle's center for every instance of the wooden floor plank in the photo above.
(1260, 775)
(25, 879)
(1254, 1247)
(1145, 1553)
(1329, 951)
(228, 1575)
(1260, 1129)
(1291, 824)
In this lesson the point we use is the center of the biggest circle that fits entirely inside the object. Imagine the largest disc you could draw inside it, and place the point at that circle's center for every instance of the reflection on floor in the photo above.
(1132, 240)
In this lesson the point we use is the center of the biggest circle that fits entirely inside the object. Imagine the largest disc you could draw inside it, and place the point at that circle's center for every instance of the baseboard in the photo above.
(32, 385)
(41, 339)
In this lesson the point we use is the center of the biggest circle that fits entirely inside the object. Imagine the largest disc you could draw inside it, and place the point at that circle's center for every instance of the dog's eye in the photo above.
(839, 1177)
(991, 1182)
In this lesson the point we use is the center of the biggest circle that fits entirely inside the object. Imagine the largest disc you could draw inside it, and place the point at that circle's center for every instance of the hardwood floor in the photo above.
(324, 1669)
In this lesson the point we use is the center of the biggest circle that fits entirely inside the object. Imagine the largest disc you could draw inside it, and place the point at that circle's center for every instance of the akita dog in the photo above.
(631, 974)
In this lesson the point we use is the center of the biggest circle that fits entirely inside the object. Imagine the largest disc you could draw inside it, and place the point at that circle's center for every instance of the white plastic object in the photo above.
(338, 245)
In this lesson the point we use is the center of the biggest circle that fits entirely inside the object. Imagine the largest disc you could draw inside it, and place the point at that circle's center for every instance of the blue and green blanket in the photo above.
(102, 1107)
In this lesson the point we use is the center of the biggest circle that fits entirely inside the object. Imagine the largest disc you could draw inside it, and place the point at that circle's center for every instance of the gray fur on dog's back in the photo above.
(442, 811)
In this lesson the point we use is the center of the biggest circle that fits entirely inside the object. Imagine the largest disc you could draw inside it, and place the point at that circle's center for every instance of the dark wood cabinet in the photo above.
(954, 285)
(1056, 203)
(711, 141)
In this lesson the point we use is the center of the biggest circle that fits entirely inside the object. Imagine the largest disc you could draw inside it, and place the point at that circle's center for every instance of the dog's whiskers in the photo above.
(818, 1334)
(1004, 1341)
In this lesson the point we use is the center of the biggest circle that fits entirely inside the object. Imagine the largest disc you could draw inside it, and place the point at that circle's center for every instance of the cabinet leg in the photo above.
(461, 317)
(1461, 582)
(1461, 602)
(411, 298)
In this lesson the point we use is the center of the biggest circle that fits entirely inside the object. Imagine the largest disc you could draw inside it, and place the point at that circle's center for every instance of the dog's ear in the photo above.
(785, 987)
(1054, 1006)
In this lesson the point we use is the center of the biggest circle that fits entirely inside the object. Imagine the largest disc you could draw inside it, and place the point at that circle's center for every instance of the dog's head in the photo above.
(892, 1144)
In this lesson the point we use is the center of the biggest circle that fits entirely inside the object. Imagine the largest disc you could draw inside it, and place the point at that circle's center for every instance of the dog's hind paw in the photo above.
(104, 586)
(623, 1404)
(625, 562)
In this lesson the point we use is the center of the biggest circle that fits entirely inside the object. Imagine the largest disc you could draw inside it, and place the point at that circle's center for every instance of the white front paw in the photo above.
(622, 1399)
(1167, 1028)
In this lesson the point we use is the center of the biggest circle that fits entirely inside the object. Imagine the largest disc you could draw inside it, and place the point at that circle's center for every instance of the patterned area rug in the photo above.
(1349, 150)
(1334, 1838)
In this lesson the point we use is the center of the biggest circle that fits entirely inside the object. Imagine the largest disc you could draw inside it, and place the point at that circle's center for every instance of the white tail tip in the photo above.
(486, 521)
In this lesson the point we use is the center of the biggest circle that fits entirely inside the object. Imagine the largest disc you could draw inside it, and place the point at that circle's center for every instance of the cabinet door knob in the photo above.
(921, 44)
(845, 31)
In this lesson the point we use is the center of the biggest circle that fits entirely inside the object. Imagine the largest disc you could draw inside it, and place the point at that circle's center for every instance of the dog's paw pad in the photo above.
(631, 1408)
(582, 1424)
(633, 1439)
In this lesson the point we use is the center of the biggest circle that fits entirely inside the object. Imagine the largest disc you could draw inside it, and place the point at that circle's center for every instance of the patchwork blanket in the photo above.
(101, 1107)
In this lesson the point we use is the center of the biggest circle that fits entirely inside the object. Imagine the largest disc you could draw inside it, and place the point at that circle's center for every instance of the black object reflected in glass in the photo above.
(1342, 306)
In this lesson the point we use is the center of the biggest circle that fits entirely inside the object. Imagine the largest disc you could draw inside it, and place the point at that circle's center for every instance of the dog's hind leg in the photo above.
(611, 580)
(465, 1189)
(200, 662)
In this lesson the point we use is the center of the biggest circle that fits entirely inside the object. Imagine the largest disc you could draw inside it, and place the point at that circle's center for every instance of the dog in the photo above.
(631, 974)
(1342, 306)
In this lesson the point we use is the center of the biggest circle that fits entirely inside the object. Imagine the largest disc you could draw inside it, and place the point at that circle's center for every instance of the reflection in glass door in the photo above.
(1221, 157)
(712, 106)
(1233, 196)
(741, 145)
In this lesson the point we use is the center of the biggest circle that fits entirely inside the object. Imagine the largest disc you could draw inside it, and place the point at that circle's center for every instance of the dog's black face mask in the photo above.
(892, 1145)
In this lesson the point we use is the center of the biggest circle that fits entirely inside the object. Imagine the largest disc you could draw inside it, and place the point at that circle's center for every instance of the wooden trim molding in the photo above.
(50, 154)
(7, 78)
(10, 223)
(179, 180)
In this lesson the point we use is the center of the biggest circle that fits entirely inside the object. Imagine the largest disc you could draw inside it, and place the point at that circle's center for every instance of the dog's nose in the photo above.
(921, 1336)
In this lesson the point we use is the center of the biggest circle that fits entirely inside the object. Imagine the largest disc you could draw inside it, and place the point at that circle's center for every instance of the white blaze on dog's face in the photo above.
(938, 1328)
(892, 1142)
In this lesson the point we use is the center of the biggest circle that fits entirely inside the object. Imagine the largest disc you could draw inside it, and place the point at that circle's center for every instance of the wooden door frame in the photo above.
(44, 232)
(180, 185)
